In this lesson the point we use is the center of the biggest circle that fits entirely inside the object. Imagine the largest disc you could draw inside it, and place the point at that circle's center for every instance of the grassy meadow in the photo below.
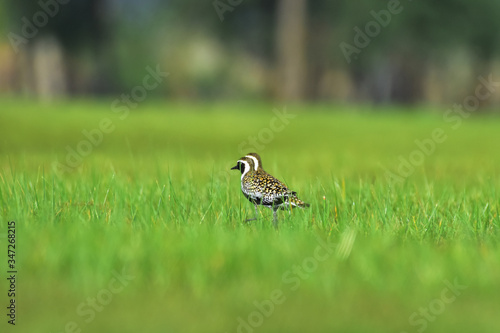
(145, 232)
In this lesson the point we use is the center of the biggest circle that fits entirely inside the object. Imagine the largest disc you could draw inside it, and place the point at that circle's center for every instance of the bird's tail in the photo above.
(294, 201)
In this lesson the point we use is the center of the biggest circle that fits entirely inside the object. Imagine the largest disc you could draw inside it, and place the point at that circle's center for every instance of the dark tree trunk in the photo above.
(290, 49)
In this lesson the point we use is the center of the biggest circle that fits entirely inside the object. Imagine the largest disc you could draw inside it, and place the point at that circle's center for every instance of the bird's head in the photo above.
(249, 162)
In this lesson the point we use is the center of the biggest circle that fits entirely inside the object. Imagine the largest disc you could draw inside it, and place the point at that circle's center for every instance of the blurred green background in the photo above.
(120, 121)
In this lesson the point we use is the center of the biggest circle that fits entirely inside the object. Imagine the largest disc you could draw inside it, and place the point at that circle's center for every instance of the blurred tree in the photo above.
(7, 75)
(286, 49)
(54, 38)
(394, 65)
(290, 49)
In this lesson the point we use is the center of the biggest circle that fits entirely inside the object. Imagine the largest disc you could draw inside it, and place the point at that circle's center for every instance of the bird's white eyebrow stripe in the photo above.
(255, 160)
(247, 168)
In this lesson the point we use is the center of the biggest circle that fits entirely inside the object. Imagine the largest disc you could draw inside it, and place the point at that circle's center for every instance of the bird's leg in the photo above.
(275, 218)
(256, 214)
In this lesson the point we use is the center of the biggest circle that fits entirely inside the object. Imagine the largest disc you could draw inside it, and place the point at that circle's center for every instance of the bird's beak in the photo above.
(235, 167)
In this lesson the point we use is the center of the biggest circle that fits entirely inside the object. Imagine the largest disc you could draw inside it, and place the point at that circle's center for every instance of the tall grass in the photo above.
(156, 198)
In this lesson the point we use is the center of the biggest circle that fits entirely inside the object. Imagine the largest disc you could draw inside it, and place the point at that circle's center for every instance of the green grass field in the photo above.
(145, 233)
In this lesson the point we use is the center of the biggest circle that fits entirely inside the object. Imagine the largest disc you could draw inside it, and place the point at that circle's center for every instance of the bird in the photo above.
(260, 188)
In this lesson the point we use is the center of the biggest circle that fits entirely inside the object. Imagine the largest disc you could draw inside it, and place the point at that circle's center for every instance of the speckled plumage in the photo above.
(261, 188)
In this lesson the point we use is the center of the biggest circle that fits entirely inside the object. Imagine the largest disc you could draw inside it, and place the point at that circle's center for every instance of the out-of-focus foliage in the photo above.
(431, 51)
